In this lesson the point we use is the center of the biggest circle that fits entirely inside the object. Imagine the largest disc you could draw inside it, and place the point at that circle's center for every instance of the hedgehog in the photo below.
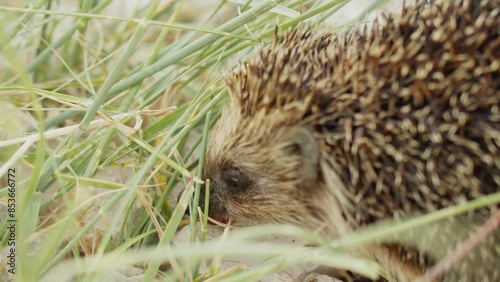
(334, 131)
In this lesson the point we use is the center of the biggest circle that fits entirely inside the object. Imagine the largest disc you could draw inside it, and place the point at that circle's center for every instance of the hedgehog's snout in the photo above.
(201, 202)
(216, 207)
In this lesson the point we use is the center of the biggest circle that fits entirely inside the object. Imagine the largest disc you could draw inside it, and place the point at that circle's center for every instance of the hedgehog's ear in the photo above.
(301, 141)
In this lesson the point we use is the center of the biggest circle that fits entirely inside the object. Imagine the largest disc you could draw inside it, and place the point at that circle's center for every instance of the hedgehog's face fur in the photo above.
(245, 165)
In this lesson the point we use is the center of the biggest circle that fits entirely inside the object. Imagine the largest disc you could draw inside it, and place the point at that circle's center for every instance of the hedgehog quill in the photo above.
(356, 127)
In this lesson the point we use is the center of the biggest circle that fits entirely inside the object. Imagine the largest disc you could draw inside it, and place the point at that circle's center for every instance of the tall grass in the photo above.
(103, 117)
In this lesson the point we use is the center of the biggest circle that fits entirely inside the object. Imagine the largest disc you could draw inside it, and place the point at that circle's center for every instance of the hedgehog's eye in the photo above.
(231, 176)
(235, 179)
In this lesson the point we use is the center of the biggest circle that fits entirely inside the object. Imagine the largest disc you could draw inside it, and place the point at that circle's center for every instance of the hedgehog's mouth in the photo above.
(224, 220)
